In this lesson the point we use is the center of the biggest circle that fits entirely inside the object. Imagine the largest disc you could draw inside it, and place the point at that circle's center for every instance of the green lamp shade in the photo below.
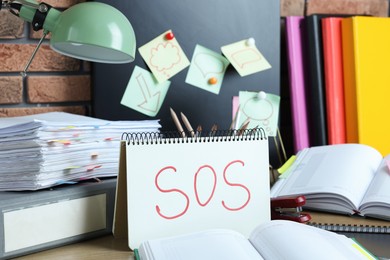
(95, 32)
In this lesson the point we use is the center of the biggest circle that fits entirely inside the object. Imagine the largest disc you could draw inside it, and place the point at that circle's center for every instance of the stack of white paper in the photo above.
(49, 149)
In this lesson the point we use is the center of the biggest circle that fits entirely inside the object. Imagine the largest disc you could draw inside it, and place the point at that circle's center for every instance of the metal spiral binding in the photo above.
(352, 228)
(172, 137)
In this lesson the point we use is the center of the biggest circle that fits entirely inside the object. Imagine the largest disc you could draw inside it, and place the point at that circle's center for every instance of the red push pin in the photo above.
(169, 36)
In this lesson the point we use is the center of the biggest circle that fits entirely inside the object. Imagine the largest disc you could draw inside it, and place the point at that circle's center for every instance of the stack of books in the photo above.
(50, 149)
(339, 79)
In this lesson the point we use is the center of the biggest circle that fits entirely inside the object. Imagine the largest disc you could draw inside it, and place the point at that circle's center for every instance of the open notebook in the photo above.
(277, 239)
(352, 179)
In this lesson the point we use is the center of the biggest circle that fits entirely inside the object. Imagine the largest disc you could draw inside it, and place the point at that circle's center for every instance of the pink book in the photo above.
(296, 64)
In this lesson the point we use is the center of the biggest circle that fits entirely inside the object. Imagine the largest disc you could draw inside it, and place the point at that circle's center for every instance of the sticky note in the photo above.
(143, 93)
(207, 69)
(262, 112)
(287, 164)
(245, 58)
(164, 56)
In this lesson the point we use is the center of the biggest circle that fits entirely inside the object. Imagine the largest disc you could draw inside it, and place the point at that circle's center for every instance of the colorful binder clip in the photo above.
(289, 208)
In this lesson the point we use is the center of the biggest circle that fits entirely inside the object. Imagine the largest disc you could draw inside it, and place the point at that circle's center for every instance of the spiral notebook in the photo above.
(345, 223)
(170, 185)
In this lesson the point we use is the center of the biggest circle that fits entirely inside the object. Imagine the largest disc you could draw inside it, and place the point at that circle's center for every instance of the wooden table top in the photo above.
(106, 247)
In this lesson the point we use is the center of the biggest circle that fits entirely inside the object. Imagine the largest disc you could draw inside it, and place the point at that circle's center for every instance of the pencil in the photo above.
(187, 124)
(199, 131)
(244, 126)
(177, 123)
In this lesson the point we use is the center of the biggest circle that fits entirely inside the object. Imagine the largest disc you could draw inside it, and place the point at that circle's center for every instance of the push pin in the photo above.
(169, 36)
(261, 95)
(250, 42)
(213, 81)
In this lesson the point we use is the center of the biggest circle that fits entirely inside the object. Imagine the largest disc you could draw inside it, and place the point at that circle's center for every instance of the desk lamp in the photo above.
(89, 31)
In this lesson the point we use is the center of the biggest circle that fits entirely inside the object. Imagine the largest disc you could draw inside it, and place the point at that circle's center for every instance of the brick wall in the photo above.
(58, 83)
(54, 82)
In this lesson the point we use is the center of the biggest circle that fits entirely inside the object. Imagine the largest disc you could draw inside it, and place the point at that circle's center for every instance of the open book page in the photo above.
(280, 239)
(211, 244)
(322, 172)
(378, 193)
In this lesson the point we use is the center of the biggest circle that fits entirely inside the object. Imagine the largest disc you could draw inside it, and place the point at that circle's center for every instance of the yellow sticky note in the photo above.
(245, 57)
(164, 56)
(287, 165)
(362, 250)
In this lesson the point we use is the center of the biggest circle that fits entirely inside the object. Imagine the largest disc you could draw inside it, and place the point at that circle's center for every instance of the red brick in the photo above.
(292, 7)
(363, 7)
(11, 89)
(51, 89)
(11, 26)
(62, 3)
(24, 111)
(14, 57)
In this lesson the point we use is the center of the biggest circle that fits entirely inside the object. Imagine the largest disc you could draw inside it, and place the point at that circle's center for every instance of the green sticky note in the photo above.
(207, 69)
(143, 93)
(164, 56)
(245, 57)
(261, 111)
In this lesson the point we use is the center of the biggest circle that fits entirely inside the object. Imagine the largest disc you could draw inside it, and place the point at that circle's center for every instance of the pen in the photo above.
(187, 124)
(177, 122)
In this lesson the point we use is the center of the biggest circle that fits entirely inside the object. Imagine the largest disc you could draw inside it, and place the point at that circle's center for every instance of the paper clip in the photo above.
(289, 208)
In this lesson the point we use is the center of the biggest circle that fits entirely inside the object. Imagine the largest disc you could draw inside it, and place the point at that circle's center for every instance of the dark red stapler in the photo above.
(289, 208)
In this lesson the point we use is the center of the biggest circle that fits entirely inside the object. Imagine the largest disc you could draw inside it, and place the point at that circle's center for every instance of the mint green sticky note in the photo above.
(261, 111)
(207, 69)
(143, 93)
(164, 56)
(245, 57)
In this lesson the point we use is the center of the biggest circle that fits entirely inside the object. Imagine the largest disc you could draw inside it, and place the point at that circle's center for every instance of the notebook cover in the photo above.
(297, 80)
(315, 88)
(366, 57)
(333, 75)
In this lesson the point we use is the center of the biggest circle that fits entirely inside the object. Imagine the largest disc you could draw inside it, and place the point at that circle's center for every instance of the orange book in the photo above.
(366, 57)
(333, 75)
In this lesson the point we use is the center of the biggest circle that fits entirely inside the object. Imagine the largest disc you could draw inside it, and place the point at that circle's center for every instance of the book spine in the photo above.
(348, 47)
(297, 78)
(315, 90)
(333, 74)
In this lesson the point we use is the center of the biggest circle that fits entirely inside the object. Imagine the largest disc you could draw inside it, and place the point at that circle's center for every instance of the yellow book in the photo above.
(366, 57)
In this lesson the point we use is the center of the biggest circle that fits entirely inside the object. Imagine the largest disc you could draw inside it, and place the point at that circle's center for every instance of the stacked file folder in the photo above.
(50, 149)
